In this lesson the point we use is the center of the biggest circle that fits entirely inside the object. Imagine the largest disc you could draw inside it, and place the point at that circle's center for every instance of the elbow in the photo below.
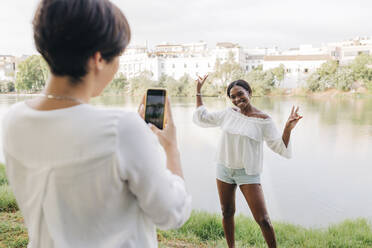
(287, 156)
(196, 119)
(177, 216)
(285, 152)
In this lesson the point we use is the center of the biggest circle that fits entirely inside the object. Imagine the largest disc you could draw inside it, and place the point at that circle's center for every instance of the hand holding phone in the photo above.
(155, 107)
(167, 137)
(167, 134)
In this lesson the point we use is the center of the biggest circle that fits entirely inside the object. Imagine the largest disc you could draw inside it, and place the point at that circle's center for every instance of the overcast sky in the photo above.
(258, 23)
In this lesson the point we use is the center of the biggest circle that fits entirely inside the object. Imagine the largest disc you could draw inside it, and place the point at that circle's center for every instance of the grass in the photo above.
(3, 179)
(205, 230)
(7, 200)
(13, 233)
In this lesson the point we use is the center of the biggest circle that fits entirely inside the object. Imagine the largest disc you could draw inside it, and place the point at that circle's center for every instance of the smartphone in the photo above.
(155, 107)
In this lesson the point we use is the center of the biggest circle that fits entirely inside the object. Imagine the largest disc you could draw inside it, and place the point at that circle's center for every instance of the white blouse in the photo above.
(241, 142)
(89, 177)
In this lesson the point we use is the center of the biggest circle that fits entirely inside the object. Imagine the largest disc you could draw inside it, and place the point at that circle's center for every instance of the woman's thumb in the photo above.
(153, 128)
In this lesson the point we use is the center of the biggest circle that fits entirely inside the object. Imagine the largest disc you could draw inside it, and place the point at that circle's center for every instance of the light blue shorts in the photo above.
(236, 176)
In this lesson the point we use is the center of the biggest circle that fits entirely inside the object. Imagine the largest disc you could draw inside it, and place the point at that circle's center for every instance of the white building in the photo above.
(252, 61)
(7, 67)
(306, 49)
(346, 51)
(224, 50)
(254, 57)
(134, 61)
(195, 59)
(175, 60)
(297, 67)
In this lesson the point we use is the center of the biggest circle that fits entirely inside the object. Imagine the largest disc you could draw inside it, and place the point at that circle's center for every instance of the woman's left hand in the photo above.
(141, 108)
(293, 118)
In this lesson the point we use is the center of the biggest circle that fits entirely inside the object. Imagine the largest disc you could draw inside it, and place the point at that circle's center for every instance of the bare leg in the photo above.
(254, 196)
(226, 193)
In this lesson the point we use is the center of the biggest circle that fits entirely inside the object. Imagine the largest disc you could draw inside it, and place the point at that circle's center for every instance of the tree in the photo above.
(162, 80)
(188, 85)
(10, 87)
(172, 85)
(118, 85)
(331, 75)
(255, 79)
(224, 73)
(279, 72)
(324, 77)
(32, 74)
(264, 82)
(362, 69)
(344, 78)
(139, 84)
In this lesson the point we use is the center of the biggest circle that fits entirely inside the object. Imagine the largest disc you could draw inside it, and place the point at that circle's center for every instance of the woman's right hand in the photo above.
(167, 139)
(200, 82)
(168, 136)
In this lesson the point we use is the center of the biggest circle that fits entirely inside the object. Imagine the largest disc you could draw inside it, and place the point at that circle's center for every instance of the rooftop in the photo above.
(297, 57)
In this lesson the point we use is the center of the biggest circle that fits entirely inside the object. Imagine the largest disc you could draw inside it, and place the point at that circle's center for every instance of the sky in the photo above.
(258, 23)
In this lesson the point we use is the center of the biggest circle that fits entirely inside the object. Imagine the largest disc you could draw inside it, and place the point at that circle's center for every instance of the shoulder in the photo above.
(134, 136)
(262, 115)
(14, 112)
(257, 114)
(16, 108)
(131, 125)
(204, 108)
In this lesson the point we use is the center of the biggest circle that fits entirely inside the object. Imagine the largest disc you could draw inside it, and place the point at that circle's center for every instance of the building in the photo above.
(346, 51)
(134, 61)
(7, 67)
(254, 58)
(226, 50)
(196, 59)
(297, 67)
(182, 50)
(7, 72)
(173, 60)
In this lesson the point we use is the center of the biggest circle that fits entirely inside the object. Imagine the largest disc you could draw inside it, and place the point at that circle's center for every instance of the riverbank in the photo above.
(330, 93)
(298, 92)
(205, 230)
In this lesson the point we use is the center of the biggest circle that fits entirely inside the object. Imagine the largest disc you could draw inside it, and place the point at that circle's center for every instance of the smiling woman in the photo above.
(240, 153)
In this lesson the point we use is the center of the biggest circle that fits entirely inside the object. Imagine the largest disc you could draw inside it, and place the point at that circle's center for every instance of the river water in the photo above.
(329, 179)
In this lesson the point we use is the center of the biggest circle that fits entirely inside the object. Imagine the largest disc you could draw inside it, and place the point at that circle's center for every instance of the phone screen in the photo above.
(155, 101)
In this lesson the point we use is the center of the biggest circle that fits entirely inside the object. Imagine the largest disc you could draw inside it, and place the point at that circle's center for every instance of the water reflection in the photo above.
(328, 179)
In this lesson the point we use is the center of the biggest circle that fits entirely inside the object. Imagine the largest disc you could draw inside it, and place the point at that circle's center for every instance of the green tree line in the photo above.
(331, 75)
(33, 73)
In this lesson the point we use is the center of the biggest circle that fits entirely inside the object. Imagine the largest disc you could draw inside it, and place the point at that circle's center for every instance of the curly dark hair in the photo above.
(241, 83)
(69, 32)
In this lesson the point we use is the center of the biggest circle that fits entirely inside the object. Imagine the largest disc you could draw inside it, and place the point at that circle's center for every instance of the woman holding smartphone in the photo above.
(240, 153)
(84, 176)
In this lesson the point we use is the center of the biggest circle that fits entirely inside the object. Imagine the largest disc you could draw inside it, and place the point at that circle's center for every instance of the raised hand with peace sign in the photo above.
(293, 118)
(200, 82)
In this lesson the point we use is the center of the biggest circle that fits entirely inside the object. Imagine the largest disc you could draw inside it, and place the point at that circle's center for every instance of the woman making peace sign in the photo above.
(240, 153)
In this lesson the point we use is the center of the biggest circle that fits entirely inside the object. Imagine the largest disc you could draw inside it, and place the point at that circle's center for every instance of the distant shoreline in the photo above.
(279, 92)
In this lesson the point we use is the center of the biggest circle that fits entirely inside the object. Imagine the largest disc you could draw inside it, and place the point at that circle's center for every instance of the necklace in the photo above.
(49, 96)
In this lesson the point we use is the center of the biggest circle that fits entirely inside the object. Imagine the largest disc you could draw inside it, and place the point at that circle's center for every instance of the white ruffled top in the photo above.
(241, 142)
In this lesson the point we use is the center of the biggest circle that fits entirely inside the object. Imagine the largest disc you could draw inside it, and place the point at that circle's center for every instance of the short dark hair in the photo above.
(69, 32)
(241, 83)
